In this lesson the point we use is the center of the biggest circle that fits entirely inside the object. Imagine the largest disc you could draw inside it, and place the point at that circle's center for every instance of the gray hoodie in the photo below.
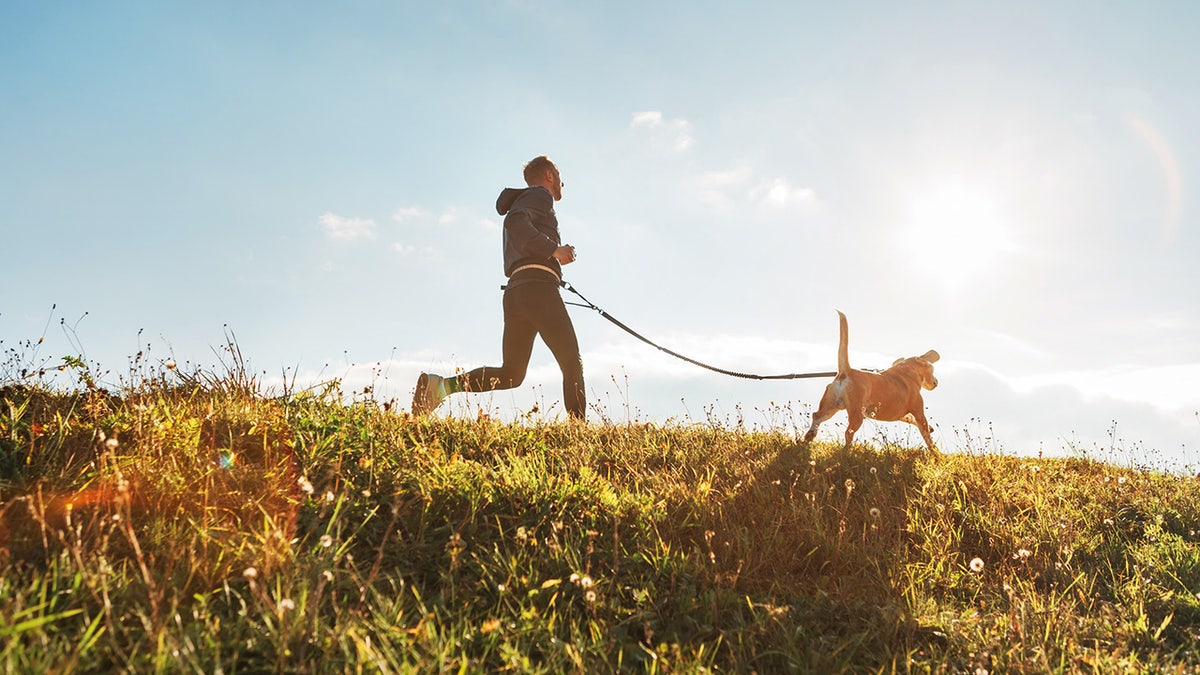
(530, 228)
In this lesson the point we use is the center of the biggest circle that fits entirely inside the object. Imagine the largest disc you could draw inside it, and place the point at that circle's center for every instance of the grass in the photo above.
(191, 523)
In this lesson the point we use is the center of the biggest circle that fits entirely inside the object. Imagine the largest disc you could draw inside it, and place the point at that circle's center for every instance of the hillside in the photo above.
(191, 524)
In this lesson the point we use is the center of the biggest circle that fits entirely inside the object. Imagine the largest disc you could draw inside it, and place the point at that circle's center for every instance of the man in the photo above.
(533, 260)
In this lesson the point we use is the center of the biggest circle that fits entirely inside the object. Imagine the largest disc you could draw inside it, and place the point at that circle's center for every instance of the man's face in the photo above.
(556, 184)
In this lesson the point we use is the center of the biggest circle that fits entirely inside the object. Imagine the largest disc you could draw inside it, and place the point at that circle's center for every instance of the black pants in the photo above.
(533, 309)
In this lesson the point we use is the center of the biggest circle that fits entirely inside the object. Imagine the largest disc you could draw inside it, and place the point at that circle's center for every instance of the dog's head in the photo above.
(923, 366)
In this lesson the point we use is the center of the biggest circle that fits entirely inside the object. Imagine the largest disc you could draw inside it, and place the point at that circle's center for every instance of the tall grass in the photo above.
(192, 523)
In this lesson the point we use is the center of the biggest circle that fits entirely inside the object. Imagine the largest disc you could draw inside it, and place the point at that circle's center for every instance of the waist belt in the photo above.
(535, 266)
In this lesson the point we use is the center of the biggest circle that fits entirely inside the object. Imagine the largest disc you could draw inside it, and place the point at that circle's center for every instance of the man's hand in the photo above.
(564, 255)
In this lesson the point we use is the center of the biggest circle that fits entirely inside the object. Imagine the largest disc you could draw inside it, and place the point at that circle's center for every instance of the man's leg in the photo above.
(516, 348)
(554, 324)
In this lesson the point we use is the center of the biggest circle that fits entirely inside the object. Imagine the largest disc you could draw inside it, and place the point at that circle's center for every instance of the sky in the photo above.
(1012, 184)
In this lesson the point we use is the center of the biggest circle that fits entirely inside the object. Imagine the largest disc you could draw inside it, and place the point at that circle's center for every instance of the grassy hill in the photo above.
(191, 524)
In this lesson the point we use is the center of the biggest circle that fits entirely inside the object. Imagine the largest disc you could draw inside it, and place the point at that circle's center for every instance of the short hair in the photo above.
(536, 167)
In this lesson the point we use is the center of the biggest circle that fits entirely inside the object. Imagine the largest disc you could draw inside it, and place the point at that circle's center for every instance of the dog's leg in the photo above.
(856, 419)
(917, 417)
(824, 412)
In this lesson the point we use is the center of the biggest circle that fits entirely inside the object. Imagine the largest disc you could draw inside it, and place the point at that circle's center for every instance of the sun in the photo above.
(956, 233)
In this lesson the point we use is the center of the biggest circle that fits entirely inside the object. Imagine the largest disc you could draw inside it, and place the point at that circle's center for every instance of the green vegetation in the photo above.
(191, 523)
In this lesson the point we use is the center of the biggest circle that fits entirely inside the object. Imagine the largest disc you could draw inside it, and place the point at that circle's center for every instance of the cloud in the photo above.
(714, 186)
(674, 132)
(407, 213)
(779, 193)
(349, 229)
(732, 188)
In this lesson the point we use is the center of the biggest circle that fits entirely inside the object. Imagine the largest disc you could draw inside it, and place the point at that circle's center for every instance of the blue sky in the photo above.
(1013, 184)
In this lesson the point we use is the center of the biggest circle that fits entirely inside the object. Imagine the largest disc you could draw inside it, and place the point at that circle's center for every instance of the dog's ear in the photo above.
(931, 356)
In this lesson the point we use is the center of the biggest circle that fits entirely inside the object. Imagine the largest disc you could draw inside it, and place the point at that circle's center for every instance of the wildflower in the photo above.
(874, 471)
(575, 578)
(170, 364)
(286, 604)
(250, 573)
(305, 486)
(326, 541)
(976, 565)
(590, 596)
(501, 587)
(328, 575)
(586, 582)
(111, 444)
(1022, 554)
(328, 496)
(875, 512)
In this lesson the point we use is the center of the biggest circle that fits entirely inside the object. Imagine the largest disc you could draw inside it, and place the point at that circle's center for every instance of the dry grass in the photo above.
(190, 523)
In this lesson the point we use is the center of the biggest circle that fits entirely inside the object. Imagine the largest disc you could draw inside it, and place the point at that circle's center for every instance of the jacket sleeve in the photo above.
(523, 234)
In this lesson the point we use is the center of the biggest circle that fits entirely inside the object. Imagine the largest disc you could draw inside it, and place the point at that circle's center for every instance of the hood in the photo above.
(509, 195)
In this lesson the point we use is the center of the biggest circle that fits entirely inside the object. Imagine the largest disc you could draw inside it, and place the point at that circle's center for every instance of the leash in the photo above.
(749, 376)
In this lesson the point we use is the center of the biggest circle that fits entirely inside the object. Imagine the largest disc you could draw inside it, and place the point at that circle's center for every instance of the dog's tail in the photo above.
(843, 345)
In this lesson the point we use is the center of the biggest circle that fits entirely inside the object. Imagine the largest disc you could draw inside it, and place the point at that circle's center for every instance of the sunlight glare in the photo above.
(956, 232)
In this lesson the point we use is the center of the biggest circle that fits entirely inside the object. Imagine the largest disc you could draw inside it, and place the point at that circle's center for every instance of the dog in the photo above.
(890, 396)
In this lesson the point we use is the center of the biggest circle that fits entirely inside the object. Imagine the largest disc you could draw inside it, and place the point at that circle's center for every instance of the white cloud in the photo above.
(779, 193)
(714, 186)
(406, 213)
(733, 188)
(402, 248)
(674, 132)
(340, 227)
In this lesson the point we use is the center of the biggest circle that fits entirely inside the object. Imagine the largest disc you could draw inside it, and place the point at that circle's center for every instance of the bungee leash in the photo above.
(749, 376)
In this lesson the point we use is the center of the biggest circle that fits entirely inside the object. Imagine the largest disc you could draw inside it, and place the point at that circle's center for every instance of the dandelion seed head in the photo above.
(111, 444)
(326, 541)
(250, 573)
(305, 485)
(875, 512)
(976, 565)
(590, 596)
(286, 604)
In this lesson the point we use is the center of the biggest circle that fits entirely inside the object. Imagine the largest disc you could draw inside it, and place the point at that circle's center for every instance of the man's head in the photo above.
(541, 171)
